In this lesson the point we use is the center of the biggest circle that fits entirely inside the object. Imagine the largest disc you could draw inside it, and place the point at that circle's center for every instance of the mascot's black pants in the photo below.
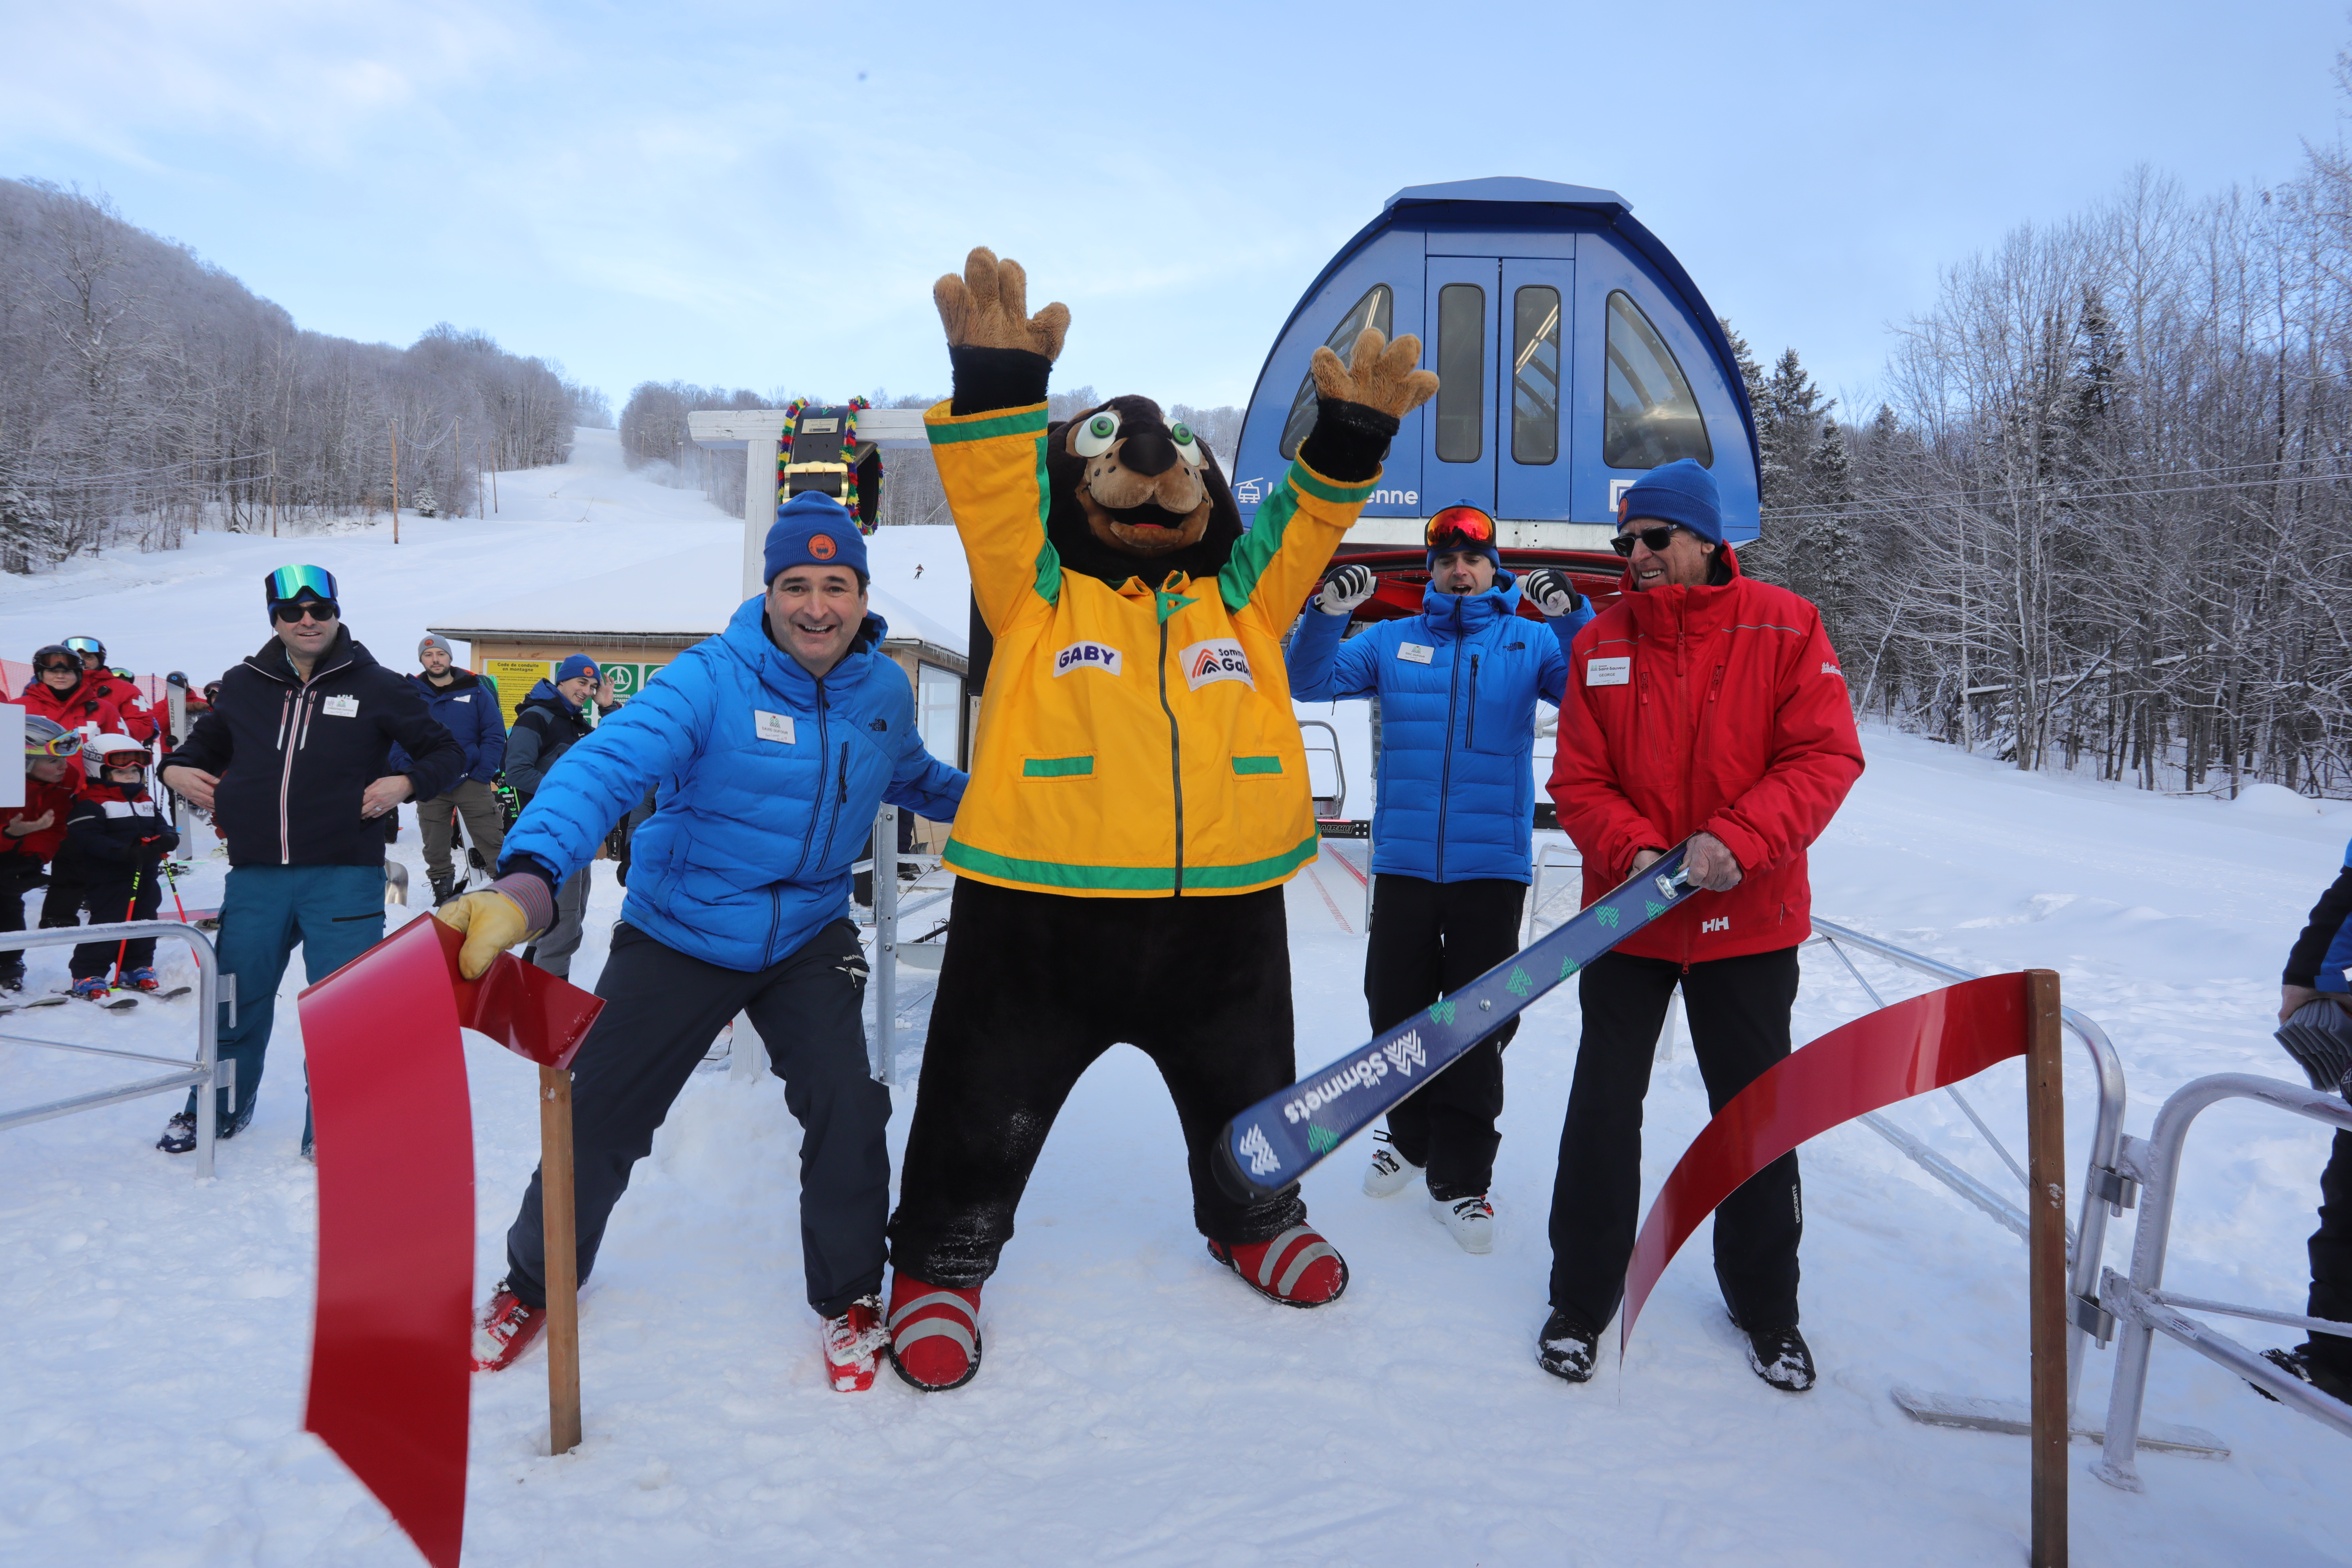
(1034, 988)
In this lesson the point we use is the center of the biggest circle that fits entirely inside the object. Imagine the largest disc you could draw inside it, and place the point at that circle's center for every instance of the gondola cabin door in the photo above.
(1494, 436)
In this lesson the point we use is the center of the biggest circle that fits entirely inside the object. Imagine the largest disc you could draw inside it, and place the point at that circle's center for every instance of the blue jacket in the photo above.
(469, 710)
(766, 784)
(1457, 685)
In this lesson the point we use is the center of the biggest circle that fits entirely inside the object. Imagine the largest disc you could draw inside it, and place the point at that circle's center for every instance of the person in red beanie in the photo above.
(1702, 705)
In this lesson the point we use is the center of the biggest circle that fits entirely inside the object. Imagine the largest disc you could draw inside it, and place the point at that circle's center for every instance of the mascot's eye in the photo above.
(1191, 450)
(1093, 437)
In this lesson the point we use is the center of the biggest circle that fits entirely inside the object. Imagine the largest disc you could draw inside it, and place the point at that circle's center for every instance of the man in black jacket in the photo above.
(2316, 971)
(550, 721)
(292, 762)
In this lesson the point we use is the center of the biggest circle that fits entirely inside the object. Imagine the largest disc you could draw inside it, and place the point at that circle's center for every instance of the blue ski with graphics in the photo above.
(1282, 1137)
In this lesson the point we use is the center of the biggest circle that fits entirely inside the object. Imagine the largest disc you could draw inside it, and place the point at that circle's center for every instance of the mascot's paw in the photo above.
(988, 308)
(1298, 1268)
(1379, 374)
(934, 1334)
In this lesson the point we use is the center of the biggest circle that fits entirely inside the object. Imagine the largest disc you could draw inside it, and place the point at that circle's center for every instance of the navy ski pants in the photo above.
(333, 913)
(662, 1009)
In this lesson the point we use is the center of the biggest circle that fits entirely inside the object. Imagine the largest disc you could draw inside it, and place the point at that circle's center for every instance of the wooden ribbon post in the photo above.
(556, 1209)
(2045, 1172)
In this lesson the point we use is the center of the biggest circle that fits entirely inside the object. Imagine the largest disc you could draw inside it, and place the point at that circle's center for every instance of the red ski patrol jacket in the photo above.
(1719, 709)
(53, 800)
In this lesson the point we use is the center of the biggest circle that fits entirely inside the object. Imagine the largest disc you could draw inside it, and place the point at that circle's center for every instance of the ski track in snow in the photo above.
(1138, 1404)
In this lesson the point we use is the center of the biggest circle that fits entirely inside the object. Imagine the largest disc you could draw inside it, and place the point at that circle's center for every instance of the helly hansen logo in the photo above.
(1832, 670)
(1086, 656)
(1720, 922)
(1218, 659)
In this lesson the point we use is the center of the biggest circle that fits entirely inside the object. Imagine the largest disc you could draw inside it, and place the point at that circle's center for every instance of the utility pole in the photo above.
(394, 426)
(273, 493)
(457, 452)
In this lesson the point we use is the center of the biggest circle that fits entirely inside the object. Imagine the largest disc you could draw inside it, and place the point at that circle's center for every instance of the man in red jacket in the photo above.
(1708, 706)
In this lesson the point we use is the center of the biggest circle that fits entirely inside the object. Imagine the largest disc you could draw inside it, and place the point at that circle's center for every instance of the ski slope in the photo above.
(1137, 1404)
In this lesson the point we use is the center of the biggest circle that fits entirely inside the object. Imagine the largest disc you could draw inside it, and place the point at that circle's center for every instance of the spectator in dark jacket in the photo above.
(32, 833)
(469, 711)
(2320, 966)
(293, 761)
(550, 721)
(120, 838)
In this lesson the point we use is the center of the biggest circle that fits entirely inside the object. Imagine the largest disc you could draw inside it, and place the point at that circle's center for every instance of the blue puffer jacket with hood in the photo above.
(766, 784)
(1457, 685)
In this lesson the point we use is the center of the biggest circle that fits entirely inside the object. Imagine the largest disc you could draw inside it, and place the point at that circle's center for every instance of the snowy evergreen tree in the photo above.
(424, 505)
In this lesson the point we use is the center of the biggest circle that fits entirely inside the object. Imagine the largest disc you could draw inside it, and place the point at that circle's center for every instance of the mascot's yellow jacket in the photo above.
(1134, 742)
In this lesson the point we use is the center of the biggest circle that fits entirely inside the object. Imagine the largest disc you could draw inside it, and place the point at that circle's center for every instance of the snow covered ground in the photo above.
(1138, 1404)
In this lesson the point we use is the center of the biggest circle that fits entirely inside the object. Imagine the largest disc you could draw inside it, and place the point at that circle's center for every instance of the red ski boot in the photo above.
(505, 1330)
(934, 1334)
(1298, 1268)
(852, 1343)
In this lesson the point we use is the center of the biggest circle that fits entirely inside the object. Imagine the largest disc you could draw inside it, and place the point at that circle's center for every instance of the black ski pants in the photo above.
(116, 894)
(661, 1010)
(1739, 1027)
(2331, 1260)
(1034, 986)
(1428, 940)
(18, 874)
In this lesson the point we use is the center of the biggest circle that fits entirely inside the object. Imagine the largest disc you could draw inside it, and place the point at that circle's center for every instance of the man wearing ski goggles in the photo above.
(1705, 706)
(293, 759)
(1457, 686)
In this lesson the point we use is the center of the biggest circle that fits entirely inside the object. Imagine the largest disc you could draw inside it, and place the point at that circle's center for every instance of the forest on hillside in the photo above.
(144, 392)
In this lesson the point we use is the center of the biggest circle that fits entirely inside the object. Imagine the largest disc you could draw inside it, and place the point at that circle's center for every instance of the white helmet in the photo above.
(116, 750)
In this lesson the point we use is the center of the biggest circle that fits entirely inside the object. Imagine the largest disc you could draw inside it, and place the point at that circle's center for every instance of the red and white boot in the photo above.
(505, 1330)
(1298, 1268)
(934, 1334)
(853, 1343)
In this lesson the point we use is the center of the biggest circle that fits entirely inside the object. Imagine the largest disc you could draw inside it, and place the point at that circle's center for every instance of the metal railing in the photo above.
(2107, 1191)
(2141, 1309)
(207, 1071)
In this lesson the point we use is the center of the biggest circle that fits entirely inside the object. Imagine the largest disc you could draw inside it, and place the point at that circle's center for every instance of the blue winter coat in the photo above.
(1457, 685)
(767, 782)
(469, 710)
(2334, 968)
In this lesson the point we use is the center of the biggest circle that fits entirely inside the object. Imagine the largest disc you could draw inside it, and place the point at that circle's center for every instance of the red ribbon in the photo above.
(1893, 1053)
(391, 1367)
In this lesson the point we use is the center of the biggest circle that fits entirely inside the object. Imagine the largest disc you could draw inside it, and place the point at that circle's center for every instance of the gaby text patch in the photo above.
(772, 726)
(1615, 671)
(1086, 656)
(1219, 659)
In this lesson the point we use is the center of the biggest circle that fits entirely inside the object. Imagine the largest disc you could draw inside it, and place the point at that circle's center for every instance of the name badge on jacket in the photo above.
(1616, 672)
(341, 707)
(773, 726)
(1415, 653)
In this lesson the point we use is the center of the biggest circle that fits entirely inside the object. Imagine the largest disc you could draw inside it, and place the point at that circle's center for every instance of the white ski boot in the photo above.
(1390, 1171)
(1471, 1220)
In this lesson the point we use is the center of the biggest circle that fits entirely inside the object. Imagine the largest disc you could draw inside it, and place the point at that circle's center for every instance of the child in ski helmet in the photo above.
(120, 837)
(31, 833)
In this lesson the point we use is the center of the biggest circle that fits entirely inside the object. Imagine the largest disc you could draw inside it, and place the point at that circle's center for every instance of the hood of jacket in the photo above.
(545, 695)
(1466, 614)
(459, 680)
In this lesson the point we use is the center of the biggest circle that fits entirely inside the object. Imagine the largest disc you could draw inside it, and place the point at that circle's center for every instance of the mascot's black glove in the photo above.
(1358, 406)
(1001, 353)
(1547, 588)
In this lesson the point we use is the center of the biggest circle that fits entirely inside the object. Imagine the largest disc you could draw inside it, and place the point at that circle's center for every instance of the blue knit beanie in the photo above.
(811, 530)
(577, 665)
(1680, 492)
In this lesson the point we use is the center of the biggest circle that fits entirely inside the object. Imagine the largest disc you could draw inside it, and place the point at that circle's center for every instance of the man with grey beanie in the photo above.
(470, 712)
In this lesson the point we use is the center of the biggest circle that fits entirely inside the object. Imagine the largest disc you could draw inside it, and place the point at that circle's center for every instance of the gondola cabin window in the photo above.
(1652, 418)
(1374, 310)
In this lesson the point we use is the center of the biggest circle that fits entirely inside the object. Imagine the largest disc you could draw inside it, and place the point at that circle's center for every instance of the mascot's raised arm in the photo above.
(1138, 793)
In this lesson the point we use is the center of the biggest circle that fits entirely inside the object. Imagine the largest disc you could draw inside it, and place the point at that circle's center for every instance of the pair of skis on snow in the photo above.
(114, 1001)
(1273, 1143)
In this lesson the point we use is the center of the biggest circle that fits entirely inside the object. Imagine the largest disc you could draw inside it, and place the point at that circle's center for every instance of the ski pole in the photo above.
(171, 877)
(124, 945)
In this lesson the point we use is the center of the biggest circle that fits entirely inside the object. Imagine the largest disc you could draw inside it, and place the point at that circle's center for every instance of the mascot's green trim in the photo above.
(1256, 548)
(1027, 421)
(1130, 878)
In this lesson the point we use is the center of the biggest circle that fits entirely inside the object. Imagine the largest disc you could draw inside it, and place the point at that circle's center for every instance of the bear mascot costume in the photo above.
(1138, 793)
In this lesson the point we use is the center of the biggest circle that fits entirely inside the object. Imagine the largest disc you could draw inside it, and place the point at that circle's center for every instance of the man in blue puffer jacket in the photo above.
(770, 748)
(1457, 686)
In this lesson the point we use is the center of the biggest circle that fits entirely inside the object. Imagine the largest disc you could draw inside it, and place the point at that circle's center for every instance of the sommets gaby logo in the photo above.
(1218, 659)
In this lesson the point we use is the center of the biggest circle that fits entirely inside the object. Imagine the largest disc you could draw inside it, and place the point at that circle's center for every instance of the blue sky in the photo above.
(762, 196)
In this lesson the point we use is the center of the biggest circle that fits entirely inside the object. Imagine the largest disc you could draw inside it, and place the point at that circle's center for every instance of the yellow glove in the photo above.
(492, 922)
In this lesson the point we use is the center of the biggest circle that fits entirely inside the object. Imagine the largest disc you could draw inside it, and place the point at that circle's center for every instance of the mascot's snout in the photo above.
(1146, 487)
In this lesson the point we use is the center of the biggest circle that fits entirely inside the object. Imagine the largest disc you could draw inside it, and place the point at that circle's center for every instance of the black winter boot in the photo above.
(1780, 1357)
(444, 890)
(1566, 1348)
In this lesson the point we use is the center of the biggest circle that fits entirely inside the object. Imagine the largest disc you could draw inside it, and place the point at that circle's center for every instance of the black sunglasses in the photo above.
(55, 664)
(1655, 538)
(319, 610)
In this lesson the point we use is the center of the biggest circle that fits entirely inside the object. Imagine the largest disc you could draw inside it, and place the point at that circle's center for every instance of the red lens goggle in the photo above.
(1465, 524)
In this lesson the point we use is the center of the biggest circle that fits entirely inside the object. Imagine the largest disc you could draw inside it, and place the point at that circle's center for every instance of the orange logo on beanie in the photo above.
(820, 546)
